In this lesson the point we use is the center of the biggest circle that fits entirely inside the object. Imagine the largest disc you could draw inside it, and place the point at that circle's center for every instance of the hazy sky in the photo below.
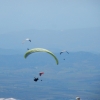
(48, 14)
(20, 15)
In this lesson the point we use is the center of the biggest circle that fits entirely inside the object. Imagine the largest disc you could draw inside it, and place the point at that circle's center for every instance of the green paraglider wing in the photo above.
(40, 50)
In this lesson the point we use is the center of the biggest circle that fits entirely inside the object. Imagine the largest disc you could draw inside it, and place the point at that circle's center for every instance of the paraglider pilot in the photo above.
(36, 79)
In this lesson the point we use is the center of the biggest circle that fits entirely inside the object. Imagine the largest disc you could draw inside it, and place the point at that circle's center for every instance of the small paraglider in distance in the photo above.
(27, 39)
(41, 73)
(36, 79)
(63, 52)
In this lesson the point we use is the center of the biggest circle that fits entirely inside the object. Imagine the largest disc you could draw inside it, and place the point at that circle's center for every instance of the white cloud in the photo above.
(7, 99)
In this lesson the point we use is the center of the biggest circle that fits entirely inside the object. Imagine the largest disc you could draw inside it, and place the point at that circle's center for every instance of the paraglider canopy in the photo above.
(40, 50)
(27, 39)
(41, 73)
(63, 52)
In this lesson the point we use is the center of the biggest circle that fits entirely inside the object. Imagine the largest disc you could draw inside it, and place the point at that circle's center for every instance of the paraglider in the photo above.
(63, 52)
(40, 50)
(36, 79)
(27, 39)
(41, 73)
(34, 50)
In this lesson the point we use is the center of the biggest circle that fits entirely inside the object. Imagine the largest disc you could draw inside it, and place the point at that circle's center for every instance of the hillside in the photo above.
(77, 75)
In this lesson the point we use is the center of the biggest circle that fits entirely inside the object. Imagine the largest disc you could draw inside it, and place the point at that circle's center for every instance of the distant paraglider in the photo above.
(63, 52)
(41, 73)
(27, 39)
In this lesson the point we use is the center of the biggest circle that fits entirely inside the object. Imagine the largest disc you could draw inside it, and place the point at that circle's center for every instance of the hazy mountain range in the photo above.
(86, 39)
(77, 75)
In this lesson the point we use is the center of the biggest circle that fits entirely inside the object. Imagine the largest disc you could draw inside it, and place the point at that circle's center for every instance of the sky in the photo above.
(18, 16)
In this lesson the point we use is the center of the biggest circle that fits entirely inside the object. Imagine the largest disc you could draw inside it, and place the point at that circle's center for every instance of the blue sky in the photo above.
(18, 16)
